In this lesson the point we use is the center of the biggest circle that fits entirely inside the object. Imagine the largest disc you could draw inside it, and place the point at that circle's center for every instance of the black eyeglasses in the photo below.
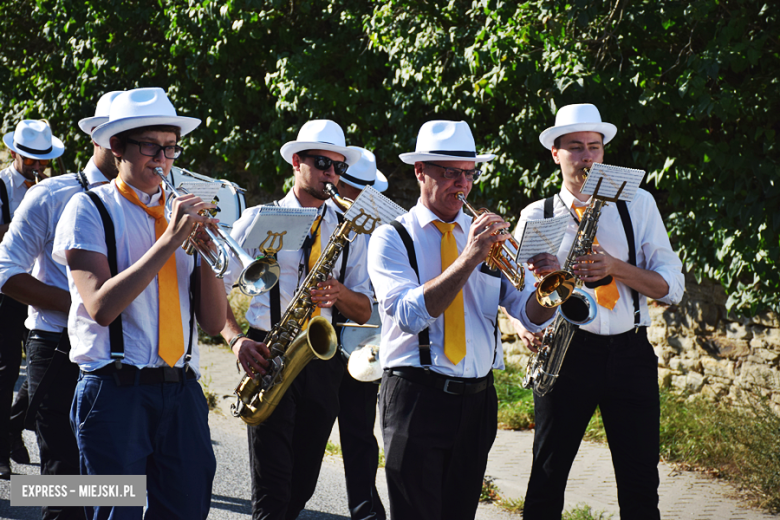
(152, 149)
(323, 163)
(453, 173)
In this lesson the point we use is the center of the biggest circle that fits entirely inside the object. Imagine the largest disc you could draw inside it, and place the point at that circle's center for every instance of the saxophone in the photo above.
(577, 307)
(292, 346)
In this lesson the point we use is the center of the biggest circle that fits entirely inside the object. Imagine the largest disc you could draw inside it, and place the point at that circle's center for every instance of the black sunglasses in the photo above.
(152, 149)
(454, 173)
(322, 163)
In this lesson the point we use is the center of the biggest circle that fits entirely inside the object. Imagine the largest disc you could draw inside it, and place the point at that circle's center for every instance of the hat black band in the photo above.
(33, 150)
(454, 153)
(356, 180)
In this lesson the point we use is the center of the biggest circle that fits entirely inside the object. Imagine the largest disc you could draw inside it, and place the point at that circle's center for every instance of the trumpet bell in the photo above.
(259, 277)
(555, 289)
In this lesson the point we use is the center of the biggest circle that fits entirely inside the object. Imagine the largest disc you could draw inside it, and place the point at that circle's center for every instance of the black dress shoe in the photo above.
(19, 452)
(5, 470)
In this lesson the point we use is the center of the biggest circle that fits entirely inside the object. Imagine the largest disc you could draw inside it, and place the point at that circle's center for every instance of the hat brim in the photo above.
(413, 157)
(102, 134)
(57, 148)
(88, 123)
(548, 137)
(380, 183)
(351, 155)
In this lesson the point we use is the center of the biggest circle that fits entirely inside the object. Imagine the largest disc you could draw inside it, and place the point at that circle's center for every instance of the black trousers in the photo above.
(619, 374)
(12, 336)
(359, 448)
(285, 451)
(436, 448)
(57, 444)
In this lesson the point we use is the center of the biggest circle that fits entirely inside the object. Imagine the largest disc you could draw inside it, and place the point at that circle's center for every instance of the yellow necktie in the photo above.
(171, 336)
(29, 184)
(454, 315)
(606, 295)
(314, 254)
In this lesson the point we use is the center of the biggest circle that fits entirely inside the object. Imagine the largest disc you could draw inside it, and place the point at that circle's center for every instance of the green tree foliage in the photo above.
(692, 88)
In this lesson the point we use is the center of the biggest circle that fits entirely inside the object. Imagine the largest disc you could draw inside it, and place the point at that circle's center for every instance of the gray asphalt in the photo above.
(683, 495)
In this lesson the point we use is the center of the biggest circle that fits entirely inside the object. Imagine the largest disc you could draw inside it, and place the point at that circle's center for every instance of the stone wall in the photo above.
(702, 349)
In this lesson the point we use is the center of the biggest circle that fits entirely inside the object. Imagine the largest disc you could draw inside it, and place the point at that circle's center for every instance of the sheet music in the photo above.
(613, 177)
(541, 236)
(375, 204)
(205, 190)
(274, 223)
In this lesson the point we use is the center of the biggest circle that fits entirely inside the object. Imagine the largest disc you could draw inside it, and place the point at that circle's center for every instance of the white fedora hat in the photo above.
(138, 108)
(445, 141)
(583, 117)
(320, 134)
(32, 138)
(364, 173)
(101, 112)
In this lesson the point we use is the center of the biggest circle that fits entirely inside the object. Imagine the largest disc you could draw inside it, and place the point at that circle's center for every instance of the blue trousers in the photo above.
(158, 430)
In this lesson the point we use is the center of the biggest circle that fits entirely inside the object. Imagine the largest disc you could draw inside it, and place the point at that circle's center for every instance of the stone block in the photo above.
(719, 368)
(656, 335)
(664, 377)
(714, 391)
(736, 330)
(664, 354)
(692, 382)
(763, 355)
(681, 343)
(759, 374)
(770, 335)
(767, 319)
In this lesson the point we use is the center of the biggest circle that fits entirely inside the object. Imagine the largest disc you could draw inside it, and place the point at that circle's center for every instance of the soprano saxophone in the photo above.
(292, 346)
(576, 309)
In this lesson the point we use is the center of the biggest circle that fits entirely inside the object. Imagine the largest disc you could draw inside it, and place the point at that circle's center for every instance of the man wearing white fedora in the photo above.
(29, 241)
(438, 304)
(357, 399)
(138, 408)
(286, 450)
(32, 147)
(610, 363)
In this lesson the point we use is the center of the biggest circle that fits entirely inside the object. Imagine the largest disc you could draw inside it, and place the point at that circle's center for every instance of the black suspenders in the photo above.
(423, 336)
(628, 227)
(6, 204)
(115, 333)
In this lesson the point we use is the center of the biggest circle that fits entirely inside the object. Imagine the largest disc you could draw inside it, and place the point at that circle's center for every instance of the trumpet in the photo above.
(258, 276)
(501, 255)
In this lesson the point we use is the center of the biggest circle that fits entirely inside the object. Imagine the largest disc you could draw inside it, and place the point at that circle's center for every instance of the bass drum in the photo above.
(357, 338)
(231, 199)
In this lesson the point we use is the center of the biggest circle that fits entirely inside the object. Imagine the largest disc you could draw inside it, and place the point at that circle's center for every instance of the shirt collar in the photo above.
(425, 216)
(291, 201)
(570, 199)
(148, 200)
(18, 178)
(93, 173)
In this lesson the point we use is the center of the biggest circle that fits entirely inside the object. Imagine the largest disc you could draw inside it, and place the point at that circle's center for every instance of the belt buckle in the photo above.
(447, 390)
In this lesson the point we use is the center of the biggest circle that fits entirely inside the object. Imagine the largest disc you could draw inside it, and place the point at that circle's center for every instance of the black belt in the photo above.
(126, 375)
(45, 335)
(584, 335)
(448, 385)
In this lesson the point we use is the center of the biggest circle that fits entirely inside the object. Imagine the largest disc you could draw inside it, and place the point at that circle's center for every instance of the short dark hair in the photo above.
(129, 134)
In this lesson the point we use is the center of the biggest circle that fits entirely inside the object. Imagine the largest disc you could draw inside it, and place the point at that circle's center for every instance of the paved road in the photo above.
(684, 495)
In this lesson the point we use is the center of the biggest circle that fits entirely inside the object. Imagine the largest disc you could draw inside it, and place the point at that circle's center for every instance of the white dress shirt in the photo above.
(30, 239)
(82, 228)
(14, 185)
(291, 264)
(402, 303)
(653, 253)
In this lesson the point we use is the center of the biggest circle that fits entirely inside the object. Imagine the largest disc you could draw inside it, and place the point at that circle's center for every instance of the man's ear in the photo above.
(296, 161)
(418, 171)
(554, 152)
(115, 146)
